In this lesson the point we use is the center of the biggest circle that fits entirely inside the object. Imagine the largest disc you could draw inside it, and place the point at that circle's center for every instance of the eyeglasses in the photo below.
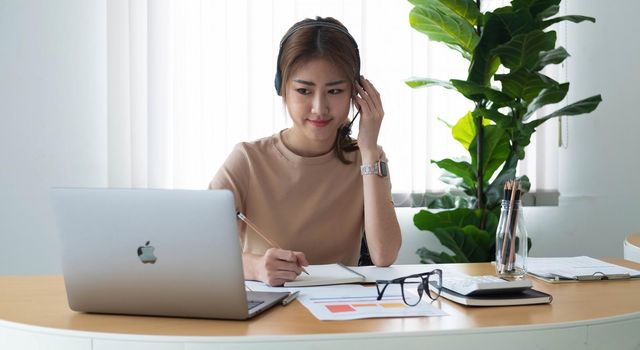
(413, 286)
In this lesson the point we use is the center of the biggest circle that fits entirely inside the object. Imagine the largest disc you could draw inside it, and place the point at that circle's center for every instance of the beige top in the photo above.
(314, 205)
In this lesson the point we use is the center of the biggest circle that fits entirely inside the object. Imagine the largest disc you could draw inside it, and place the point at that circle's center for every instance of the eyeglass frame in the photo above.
(401, 281)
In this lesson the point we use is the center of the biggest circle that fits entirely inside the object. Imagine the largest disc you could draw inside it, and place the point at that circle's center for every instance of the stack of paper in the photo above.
(577, 268)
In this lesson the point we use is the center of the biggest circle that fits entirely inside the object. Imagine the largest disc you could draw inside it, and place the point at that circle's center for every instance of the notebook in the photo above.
(526, 297)
(579, 268)
(327, 274)
(154, 252)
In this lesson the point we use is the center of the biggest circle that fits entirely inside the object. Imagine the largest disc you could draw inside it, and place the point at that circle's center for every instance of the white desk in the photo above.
(587, 315)
(631, 247)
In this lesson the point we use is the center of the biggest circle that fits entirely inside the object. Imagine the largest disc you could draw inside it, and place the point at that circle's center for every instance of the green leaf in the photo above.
(491, 218)
(452, 200)
(428, 256)
(449, 125)
(548, 80)
(466, 9)
(521, 138)
(522, 84)
(525, 183)
(462, 169)
(453, 239)
(427, 82)
(428, 221)
(477, 243)
(482, 63)
(553, 94)
(523, 50)
(500, 26)
(555, 56)
(469, 89)
(456, 182)
(503, 121)
(465, 129)
(476, 92)
(571, 18)
(516, 21)
(450, 29)
(495, 150)
(537, 8)
(469, 244)
(459, 231)
(587, 105)
(494, 192)
(548, 12)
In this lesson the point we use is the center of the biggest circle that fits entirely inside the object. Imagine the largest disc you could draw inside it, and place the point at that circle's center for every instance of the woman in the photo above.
(312, 188)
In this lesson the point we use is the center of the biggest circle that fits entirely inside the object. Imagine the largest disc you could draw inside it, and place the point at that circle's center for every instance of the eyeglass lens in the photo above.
(412, 290)
(414, 287)
(435, 283)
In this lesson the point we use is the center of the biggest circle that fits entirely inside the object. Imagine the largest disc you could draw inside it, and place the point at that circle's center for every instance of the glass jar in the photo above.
(511, 241)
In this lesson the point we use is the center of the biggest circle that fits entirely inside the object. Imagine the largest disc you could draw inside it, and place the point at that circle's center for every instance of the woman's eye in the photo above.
(303, 91)
(335, 91)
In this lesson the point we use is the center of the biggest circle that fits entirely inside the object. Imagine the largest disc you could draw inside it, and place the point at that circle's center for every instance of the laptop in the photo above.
(154, 252)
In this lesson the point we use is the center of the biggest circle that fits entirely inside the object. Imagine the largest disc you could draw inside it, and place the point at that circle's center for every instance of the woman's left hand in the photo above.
(370, 105)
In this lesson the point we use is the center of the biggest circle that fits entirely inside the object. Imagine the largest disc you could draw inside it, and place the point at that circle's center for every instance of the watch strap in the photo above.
(378, 168)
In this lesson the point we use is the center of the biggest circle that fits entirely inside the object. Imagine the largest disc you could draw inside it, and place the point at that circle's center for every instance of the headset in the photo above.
(345, 130)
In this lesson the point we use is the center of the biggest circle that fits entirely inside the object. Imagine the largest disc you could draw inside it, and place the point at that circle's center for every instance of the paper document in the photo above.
(350, 302)
(373, 273)
(353, 301)
(577, 268)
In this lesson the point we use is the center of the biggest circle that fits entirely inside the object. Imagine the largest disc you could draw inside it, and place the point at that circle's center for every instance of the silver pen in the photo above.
(291, 297)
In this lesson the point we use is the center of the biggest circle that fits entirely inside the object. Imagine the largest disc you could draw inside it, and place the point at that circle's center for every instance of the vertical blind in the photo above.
(187, 80)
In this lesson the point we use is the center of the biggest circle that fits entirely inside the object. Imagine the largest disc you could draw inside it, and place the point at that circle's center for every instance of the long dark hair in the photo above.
(314, 41)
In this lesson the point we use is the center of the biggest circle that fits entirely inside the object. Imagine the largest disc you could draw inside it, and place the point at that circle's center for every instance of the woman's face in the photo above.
(318, 99)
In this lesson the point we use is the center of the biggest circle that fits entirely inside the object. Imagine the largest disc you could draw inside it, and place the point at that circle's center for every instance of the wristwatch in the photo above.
(378, 168)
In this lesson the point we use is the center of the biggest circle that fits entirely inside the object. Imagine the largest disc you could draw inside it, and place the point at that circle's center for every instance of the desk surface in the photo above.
(41, 301)
(634, 239)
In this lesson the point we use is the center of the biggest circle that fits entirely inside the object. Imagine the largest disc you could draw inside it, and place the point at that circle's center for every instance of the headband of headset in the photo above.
(316, 23)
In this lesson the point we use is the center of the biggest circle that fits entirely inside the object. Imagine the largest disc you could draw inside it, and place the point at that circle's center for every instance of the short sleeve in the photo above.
(234, 176)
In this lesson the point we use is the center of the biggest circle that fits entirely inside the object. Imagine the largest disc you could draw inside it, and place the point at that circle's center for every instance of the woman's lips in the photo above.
(319, 123)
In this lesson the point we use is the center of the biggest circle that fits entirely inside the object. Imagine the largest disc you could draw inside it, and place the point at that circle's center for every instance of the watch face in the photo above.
(383, 169)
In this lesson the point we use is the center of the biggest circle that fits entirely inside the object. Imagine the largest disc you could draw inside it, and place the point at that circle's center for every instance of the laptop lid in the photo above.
(153, 252)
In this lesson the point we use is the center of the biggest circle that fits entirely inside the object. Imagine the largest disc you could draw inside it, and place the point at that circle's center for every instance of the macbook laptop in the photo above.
(154, 252)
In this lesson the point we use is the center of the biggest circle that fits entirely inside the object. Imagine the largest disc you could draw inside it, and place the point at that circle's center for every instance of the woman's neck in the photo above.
(304, 147)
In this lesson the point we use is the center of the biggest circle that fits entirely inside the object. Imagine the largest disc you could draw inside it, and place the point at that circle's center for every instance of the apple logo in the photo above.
(145, 253)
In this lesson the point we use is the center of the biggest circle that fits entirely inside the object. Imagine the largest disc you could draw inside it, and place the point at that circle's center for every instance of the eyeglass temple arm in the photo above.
(381, 292)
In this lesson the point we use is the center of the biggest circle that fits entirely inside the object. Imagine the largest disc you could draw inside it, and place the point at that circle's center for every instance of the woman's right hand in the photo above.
(276, 266)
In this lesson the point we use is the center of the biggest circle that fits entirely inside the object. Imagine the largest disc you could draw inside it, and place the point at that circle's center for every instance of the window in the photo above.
(189, 79)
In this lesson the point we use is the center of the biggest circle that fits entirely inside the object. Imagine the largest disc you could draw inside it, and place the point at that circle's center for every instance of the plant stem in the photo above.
(479, 138)
(480, 160)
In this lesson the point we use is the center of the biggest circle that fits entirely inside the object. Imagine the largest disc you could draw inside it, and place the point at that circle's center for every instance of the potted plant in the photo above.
(497, 130)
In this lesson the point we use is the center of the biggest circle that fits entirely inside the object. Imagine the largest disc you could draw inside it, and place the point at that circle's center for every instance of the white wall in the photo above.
(52, 120)
(599, 170)
(53, 130)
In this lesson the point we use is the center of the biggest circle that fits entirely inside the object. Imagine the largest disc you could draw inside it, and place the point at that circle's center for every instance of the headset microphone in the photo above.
(346, 130)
